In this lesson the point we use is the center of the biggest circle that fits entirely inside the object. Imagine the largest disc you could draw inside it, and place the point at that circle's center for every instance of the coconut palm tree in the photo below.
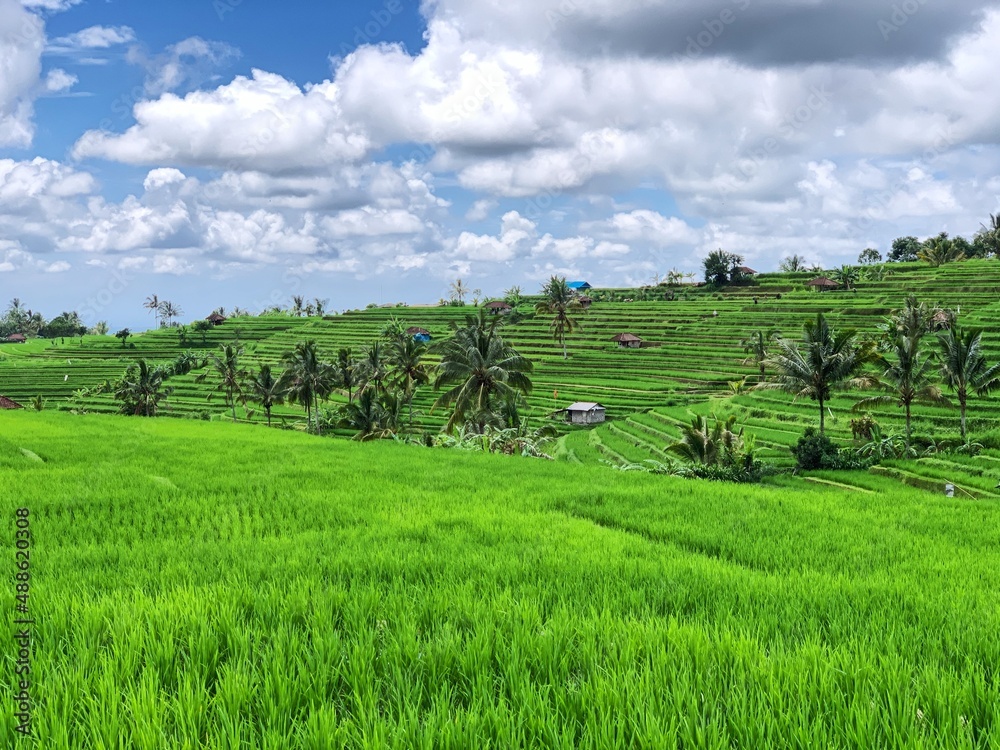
(906, 378)
(373, 415)
(373, 368)
(141, 389)
(319, 305)
(152, 304)
(964, 368)
(758, 346)
(458, 290)
(169, 311)
(306, 379)
(940, 250)
(824, 361)
(793, 264)
(408, 370)
(481, 368)
(708, 445)
(346, 371)
(298, 305)
(266, 389)
(231, 375)
(562, 304)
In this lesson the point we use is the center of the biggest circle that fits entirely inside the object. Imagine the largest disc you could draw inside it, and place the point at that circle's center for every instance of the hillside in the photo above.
(695, 353)
(220, 585)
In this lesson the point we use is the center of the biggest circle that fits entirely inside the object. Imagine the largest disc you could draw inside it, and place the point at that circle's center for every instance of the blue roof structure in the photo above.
(578, 285)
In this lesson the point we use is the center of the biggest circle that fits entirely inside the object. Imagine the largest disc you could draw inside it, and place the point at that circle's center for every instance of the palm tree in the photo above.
(825, 361)
(345, 367)
(373, 368)
(906, 378)
(560, 302)
(964, 369)
(846, 275)
(392, 329)
(306, 379)
(513, 296)
(267, 389)
(298, 305)
(481, 368)
(758, 347)
(458, 290)
(708, 445)
(373, 415)
(793, 264)
(940, 250)
(169, 311)
(141, 389)
(319, 305)
(231, 375)
(152, 304)
(405, 357)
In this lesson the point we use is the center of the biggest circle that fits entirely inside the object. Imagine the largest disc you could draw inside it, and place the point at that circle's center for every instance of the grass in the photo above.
(223, 586)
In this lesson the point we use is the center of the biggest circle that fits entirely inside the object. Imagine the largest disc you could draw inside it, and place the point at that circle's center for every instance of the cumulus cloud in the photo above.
(22, 38)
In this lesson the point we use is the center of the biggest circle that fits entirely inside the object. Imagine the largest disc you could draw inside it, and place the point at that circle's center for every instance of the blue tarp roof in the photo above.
(578, 285)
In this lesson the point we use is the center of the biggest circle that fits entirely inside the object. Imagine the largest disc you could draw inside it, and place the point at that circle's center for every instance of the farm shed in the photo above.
(746, 271)
(419, 334)
(6, 403)
(17, 338)
(579, 286)
(215, 319)
(628, 340)
(585, 412)
(823, 283)
(585, 302)
(499, 308)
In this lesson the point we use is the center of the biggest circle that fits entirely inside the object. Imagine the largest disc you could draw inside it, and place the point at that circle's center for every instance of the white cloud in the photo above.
(59, 80)
(91, 38)
(186, 64)
(22, 37)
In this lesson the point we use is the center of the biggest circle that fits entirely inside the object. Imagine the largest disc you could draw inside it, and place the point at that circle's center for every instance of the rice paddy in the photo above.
(226, 586)
(205, 584)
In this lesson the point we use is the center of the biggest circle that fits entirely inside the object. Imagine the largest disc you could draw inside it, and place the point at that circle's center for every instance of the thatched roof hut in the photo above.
(822, 283)
(6, 403)
(628, 340)
(501, 308)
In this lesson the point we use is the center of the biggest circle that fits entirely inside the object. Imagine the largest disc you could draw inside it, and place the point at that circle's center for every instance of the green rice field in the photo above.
(224, 586)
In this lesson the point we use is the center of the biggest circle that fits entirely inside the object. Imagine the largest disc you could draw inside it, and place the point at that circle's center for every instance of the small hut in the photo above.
(746, 271)
(17, 338)
(585, 412)
(823, 284)
(419, 334)
(585, 302)
(579, 286)
(6, 403)
(499, 308)
(215, 319)
(627, 340)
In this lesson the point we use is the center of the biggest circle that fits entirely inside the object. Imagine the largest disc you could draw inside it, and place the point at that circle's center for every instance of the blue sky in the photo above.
(235, 153)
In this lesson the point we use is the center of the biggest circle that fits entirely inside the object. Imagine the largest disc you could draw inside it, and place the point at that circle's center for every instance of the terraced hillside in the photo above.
(694, 353)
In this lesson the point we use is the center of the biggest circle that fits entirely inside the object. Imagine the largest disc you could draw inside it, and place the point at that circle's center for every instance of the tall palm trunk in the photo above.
(232, 402)
(267, 410)
(962, 398)
(822, 417)
(316, 410)
(565, 355)
(907, 429)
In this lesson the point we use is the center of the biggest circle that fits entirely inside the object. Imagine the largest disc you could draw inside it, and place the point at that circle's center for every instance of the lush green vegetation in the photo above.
(221, 585)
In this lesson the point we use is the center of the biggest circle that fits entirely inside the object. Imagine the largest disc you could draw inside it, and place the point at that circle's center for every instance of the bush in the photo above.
(815, 451)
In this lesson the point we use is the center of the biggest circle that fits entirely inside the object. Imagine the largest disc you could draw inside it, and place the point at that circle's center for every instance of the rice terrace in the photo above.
(422, 551)
(488, 375)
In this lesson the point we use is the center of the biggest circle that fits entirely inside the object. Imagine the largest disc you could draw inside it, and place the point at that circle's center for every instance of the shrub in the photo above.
(815, 451)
